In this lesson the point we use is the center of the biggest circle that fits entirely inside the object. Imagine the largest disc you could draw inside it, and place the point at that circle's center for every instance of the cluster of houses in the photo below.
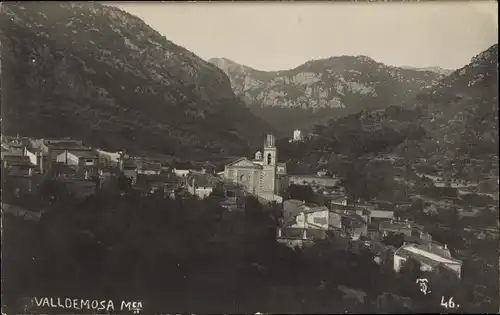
(84, 169)
(361, 225)
(27, 162)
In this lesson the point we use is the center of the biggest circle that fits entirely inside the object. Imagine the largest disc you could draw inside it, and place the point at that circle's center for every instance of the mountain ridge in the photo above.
(88, 63)
(324, 88)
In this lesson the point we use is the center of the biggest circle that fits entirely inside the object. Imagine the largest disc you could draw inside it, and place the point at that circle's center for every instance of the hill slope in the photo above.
(99, 74)
(322, 89)
(457, 119)
(461, 112)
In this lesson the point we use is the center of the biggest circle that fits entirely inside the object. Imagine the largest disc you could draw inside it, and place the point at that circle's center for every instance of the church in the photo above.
(263, 176)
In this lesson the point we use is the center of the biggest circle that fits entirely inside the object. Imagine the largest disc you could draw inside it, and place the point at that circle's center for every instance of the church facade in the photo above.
(262, 176)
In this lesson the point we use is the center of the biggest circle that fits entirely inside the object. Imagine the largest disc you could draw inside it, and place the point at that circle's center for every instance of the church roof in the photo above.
(244, 162)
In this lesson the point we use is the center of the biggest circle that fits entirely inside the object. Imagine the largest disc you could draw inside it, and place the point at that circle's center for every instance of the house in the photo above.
(338, 200)
(17, 173)
(377, 216)
(314, 180)
(350, 209)
(84, 162)
(166, 183)
(182, 169)
(51, 149)
(263, 176)
(128, 167)
(109, 158)
(400, 227)
(181, 172)
(14, 145)
(8, 150)
(17, 164)
(145, 167)
(303, 221)
(430, 256)
(34, 154)
(201, 185)
(353, 225)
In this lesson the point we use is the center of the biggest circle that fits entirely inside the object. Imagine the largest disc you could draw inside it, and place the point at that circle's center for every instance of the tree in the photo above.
(301, 192)
(393, 239)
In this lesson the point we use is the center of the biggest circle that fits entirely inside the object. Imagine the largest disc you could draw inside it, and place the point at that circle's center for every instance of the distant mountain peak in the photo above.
(329, 87)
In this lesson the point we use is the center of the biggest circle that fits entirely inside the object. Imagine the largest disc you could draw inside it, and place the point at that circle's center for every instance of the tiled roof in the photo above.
(430, 254)
(399, 225)
(202, 180)
(386, 214)
(83, 154)
(20, 163)
(148, 165)
(129, 163)
(12, 158)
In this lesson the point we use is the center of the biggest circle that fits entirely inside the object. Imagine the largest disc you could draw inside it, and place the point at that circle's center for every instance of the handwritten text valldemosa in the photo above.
(81, 304)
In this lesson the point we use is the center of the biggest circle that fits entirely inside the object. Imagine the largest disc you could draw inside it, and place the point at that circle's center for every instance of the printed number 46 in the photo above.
(449, 304)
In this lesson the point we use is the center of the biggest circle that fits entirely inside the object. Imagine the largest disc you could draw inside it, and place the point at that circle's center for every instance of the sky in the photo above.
(279, 36)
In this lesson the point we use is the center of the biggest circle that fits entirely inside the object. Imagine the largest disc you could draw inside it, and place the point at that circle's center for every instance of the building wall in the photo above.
(312, 180)
(245, 177)
(382, 214)
(181, 173)
(457, 268)
(149, 172)
(108, 158)
(32, 156)
(398, 262)
(62, 158)
(335, 220)
(203, 192)
(405, 231)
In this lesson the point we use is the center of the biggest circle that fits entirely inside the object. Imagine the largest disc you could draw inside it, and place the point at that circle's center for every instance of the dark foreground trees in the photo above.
(180, 255)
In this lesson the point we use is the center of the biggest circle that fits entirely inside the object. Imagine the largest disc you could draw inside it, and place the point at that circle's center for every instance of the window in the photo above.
(269, 158)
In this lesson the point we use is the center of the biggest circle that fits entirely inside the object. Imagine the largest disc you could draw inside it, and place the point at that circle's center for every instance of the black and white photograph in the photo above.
(335, 157)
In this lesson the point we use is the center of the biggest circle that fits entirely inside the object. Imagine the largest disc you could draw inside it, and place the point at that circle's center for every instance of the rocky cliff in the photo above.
(97, 73)
(322, 89)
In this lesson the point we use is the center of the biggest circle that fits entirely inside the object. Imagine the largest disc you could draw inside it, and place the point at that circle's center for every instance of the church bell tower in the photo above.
(269, 161)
